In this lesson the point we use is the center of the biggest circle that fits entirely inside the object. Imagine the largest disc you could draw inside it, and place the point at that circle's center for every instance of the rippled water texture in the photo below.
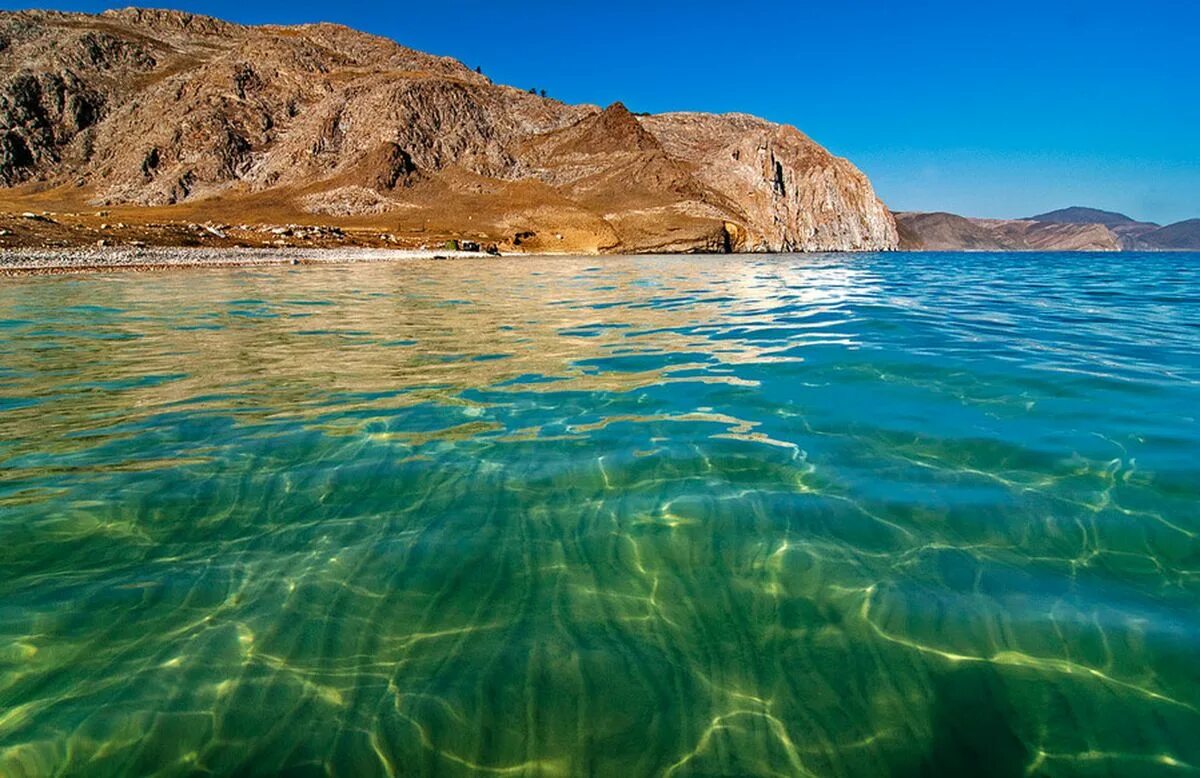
(844, 515)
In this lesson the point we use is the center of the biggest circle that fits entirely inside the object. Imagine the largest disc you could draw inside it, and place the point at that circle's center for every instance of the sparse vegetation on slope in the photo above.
(175, 118)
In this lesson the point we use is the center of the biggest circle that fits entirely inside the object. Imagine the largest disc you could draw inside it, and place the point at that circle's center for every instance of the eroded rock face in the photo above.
(160, 107)
(789, 192)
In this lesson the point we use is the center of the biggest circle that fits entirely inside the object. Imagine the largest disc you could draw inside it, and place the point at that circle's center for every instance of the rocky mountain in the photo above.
(1068, 229)
(174, 116)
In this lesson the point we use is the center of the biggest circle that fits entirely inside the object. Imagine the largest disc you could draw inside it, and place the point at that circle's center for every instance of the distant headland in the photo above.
(1068, 229)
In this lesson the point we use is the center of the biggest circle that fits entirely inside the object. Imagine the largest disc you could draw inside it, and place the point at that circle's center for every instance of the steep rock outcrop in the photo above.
(788, 192)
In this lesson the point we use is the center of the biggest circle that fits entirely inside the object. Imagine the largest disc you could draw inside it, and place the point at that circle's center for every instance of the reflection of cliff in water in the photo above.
(408, 332)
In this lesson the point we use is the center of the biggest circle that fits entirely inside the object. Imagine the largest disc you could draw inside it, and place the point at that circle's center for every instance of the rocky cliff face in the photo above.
(161, 108)
(788, 192)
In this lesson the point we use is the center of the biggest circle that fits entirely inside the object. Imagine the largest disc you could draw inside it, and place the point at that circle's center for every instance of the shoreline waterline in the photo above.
(100, 259)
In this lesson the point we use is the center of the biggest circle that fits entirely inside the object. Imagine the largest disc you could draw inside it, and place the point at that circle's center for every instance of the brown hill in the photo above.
(944, 232)
(1077, 214)
(1025, 235)
(1129, 232)
(174, 117)
(1068, 229)
(1180, 236)
(948, 232)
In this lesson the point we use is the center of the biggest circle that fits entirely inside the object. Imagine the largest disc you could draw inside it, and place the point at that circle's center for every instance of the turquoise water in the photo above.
(773, 515)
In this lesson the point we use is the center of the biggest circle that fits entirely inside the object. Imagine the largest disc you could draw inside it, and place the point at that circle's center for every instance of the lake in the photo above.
(835, 515)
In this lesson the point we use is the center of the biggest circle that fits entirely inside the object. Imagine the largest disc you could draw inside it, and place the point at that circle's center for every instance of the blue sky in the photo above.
(982, 108)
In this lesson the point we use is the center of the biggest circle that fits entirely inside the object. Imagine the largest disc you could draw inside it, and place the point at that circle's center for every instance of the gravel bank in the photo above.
(69, 260)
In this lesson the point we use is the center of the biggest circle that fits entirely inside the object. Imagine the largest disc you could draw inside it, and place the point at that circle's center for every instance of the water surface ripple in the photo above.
(775, 515)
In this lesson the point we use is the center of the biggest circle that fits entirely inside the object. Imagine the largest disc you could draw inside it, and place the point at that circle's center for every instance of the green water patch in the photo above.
(847, 515)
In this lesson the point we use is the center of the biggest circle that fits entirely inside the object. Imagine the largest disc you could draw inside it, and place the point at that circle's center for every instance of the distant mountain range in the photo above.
(1068, 229)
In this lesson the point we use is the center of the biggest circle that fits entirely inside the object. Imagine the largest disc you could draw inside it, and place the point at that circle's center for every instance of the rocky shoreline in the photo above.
(91, 259)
